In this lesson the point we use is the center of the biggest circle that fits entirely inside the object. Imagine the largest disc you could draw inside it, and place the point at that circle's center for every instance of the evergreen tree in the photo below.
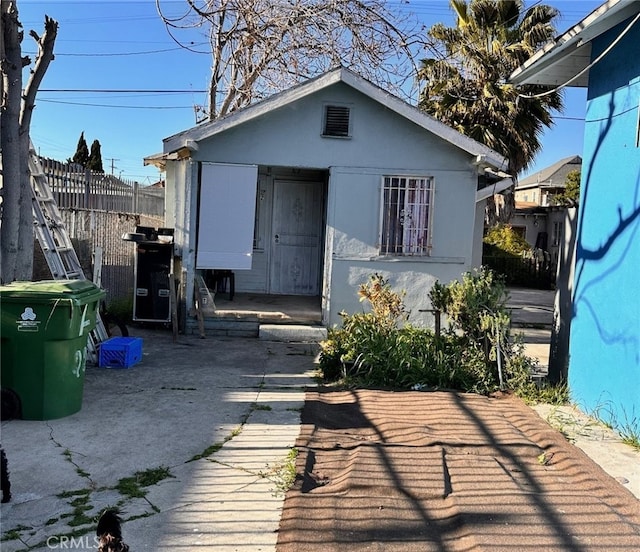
(95, 157)
(81, 156)
(571, 195)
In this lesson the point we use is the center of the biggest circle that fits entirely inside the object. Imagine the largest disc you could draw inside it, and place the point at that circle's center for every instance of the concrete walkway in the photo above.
(532, 320)
(603, 445)
(232, 403)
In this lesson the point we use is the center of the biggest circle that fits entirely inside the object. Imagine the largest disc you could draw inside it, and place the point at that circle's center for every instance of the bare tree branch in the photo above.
(43, 58)
(259, 47)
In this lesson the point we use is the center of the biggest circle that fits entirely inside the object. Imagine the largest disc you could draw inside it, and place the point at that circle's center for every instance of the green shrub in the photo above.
(361, 342)
(364, 345)
(476, 309)
(471, 303)
(571, 195)
(506, 240)
(380, 349)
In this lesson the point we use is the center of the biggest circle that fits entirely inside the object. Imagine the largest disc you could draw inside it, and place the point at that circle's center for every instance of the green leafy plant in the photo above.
(80, 501)
(533, 393)
(626, 425)
(213, 449)
(365, 341)
(15, 533)
(506, 241)
(471, 303)
(475, 309)
(630, 435)
(571, 195)
(283, 475)
(474, 353)
(509, 254)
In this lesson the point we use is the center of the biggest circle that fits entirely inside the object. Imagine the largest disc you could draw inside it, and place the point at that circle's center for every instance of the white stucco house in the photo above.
(315, 189)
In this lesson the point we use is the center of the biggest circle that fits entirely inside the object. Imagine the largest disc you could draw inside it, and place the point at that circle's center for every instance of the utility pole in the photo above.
(113, 161)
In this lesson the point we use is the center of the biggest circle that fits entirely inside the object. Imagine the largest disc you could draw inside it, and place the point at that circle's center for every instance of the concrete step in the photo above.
(253, 327)
(299, 333)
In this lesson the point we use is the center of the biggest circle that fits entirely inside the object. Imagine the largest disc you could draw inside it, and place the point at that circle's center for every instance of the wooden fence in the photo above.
(75, 187)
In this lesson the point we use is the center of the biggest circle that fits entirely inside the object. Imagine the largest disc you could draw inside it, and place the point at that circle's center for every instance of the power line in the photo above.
(588, 67)
(83, 104)
(121, 54)
(121, 91)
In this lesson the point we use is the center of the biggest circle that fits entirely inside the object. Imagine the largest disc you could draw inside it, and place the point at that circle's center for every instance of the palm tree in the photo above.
(466, 81)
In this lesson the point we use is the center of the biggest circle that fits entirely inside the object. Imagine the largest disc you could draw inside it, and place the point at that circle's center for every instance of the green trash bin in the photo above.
(45, 326)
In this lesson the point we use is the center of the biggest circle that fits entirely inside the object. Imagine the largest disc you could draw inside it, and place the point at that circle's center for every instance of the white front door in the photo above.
(296, 238)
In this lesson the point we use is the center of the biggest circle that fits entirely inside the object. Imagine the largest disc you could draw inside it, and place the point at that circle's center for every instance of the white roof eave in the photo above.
(570, 53)
(493, 189)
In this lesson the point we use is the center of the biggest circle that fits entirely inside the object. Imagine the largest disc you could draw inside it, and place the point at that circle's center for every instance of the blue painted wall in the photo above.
(604, 363)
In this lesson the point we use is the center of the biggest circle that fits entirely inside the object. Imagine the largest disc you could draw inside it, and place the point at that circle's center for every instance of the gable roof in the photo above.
(188, 139)
(555, 175)
(566, 59)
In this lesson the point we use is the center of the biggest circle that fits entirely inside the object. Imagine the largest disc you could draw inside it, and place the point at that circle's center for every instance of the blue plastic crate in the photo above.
(120, 352)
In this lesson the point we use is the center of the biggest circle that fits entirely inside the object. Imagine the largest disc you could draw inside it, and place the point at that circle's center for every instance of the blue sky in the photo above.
(106, 46)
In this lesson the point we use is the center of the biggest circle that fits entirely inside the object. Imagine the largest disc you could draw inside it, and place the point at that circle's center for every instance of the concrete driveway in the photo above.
(185, 400)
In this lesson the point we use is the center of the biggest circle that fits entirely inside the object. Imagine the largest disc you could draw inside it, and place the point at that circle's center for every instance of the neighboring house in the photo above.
(540, 188)
(601, 53)
(536, 218)
(315, 189)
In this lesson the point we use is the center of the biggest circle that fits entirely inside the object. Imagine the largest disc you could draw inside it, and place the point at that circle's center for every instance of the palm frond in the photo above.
(468, 86)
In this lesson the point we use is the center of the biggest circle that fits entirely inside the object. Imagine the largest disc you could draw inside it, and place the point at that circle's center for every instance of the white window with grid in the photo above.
(407, 204)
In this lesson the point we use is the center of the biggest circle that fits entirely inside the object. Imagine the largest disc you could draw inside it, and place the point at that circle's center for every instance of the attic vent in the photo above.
(336, 121)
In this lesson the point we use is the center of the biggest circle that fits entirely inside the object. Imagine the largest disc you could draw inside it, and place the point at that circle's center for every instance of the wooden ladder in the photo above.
(57, 248)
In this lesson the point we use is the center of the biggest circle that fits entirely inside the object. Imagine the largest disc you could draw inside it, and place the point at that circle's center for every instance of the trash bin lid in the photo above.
(46, 290)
